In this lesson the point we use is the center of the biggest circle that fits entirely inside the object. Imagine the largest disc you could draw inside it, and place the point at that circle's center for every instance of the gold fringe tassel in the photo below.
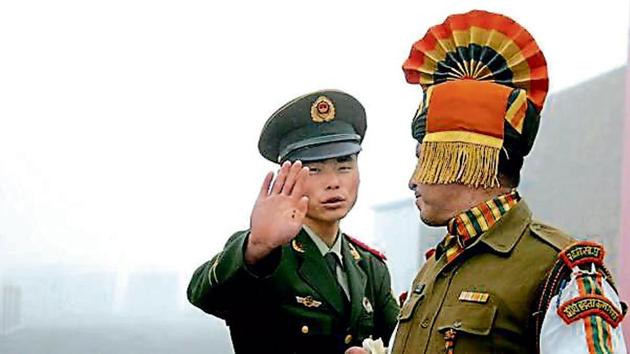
(457, 162)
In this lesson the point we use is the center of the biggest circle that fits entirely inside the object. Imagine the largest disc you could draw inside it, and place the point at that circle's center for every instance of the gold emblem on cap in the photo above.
(308, 301)
(322, 110)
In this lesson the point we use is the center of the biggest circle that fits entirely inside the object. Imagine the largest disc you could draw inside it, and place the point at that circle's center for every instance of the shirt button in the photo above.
(348, 339)
(425, 323)
(305, 329)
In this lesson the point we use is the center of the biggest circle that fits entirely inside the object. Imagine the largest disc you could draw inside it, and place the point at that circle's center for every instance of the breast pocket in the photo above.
(471, 324)
(412, 302)
(307, 317)
(405, 327)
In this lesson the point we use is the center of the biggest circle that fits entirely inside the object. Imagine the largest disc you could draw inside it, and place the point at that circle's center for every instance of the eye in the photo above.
(312, 170)
(345, 168)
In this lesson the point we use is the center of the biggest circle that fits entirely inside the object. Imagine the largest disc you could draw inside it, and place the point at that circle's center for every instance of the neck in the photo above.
(327, 231)
(476, 197)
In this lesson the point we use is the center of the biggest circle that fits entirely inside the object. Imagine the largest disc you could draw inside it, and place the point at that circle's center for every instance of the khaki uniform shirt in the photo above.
(486, 295)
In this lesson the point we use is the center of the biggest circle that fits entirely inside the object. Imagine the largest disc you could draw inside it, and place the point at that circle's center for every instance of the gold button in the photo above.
(425, 323)
(305, 329)
(348, 339)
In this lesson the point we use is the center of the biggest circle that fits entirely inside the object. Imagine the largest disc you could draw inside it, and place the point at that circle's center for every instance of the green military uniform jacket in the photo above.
(291, 303)
(509, 263)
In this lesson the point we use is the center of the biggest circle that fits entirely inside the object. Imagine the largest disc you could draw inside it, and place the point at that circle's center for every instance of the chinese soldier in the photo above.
(498, 282)
(294, 282)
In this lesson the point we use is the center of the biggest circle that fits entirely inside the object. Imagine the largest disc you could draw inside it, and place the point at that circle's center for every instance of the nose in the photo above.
(332, 182)
(413, 180)
(412, 184)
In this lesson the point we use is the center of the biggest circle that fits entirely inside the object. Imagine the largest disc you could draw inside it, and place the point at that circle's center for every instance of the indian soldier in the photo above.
(499, 282)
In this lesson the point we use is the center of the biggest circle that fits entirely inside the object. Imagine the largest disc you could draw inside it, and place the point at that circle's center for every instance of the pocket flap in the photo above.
(475, 319)
(409, 306)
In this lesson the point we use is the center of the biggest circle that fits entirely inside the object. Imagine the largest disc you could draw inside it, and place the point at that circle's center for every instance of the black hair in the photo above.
(510, 169)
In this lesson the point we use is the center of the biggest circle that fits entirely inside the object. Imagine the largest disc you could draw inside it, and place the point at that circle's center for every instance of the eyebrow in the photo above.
(346, 158)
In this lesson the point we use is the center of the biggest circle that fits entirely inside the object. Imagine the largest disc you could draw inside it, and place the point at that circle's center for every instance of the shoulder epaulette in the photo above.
(367, 248)
(552, 236)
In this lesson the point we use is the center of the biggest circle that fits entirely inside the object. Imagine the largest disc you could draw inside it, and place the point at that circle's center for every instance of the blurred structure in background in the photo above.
(624, 241)
(10, 308)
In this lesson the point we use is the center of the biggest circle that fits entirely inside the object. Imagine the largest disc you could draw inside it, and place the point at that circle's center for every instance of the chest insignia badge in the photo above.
(297, 246)
(472, 296)
(367, 305)
(354, 252)
(308, 301)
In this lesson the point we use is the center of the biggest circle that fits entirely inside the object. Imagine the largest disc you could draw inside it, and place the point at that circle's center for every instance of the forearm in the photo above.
(214, 281)
(216, 284)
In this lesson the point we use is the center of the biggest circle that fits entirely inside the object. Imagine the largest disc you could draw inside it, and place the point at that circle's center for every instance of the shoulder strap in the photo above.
(367, 248)
(556, 238)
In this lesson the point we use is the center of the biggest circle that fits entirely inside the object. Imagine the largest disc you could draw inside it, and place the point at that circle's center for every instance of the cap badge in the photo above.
(322, 110)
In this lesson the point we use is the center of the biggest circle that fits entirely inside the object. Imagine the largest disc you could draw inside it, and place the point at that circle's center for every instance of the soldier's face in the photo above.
(331, 187)
(438, 203)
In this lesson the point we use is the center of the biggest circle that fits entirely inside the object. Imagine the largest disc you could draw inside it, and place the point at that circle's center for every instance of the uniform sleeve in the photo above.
(216, 285)
(584, 317)
(387, 308)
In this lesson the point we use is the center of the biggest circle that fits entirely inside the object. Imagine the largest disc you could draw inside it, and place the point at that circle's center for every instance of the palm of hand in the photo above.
(279, 217)
(279, 211)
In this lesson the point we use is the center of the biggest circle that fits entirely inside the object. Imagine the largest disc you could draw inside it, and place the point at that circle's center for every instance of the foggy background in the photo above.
(128, 142)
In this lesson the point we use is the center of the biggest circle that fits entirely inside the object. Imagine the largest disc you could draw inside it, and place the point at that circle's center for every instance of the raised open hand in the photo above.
(279, 211)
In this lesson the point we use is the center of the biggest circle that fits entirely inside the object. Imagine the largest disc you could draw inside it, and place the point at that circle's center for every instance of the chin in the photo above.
(432, 220)
(332, 215)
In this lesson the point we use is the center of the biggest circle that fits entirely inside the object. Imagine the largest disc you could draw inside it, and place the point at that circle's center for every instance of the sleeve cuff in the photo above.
(266, 267)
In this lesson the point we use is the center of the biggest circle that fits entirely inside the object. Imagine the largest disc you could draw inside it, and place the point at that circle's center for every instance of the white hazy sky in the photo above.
(129, 128)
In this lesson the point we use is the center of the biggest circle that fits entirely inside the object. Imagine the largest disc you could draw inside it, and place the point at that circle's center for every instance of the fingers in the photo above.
(293, 173)
(298, 187)
(264, 189)
(282, 176)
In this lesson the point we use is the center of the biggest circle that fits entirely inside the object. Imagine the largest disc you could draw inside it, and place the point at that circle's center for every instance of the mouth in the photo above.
(334, 202)
(419, 200)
